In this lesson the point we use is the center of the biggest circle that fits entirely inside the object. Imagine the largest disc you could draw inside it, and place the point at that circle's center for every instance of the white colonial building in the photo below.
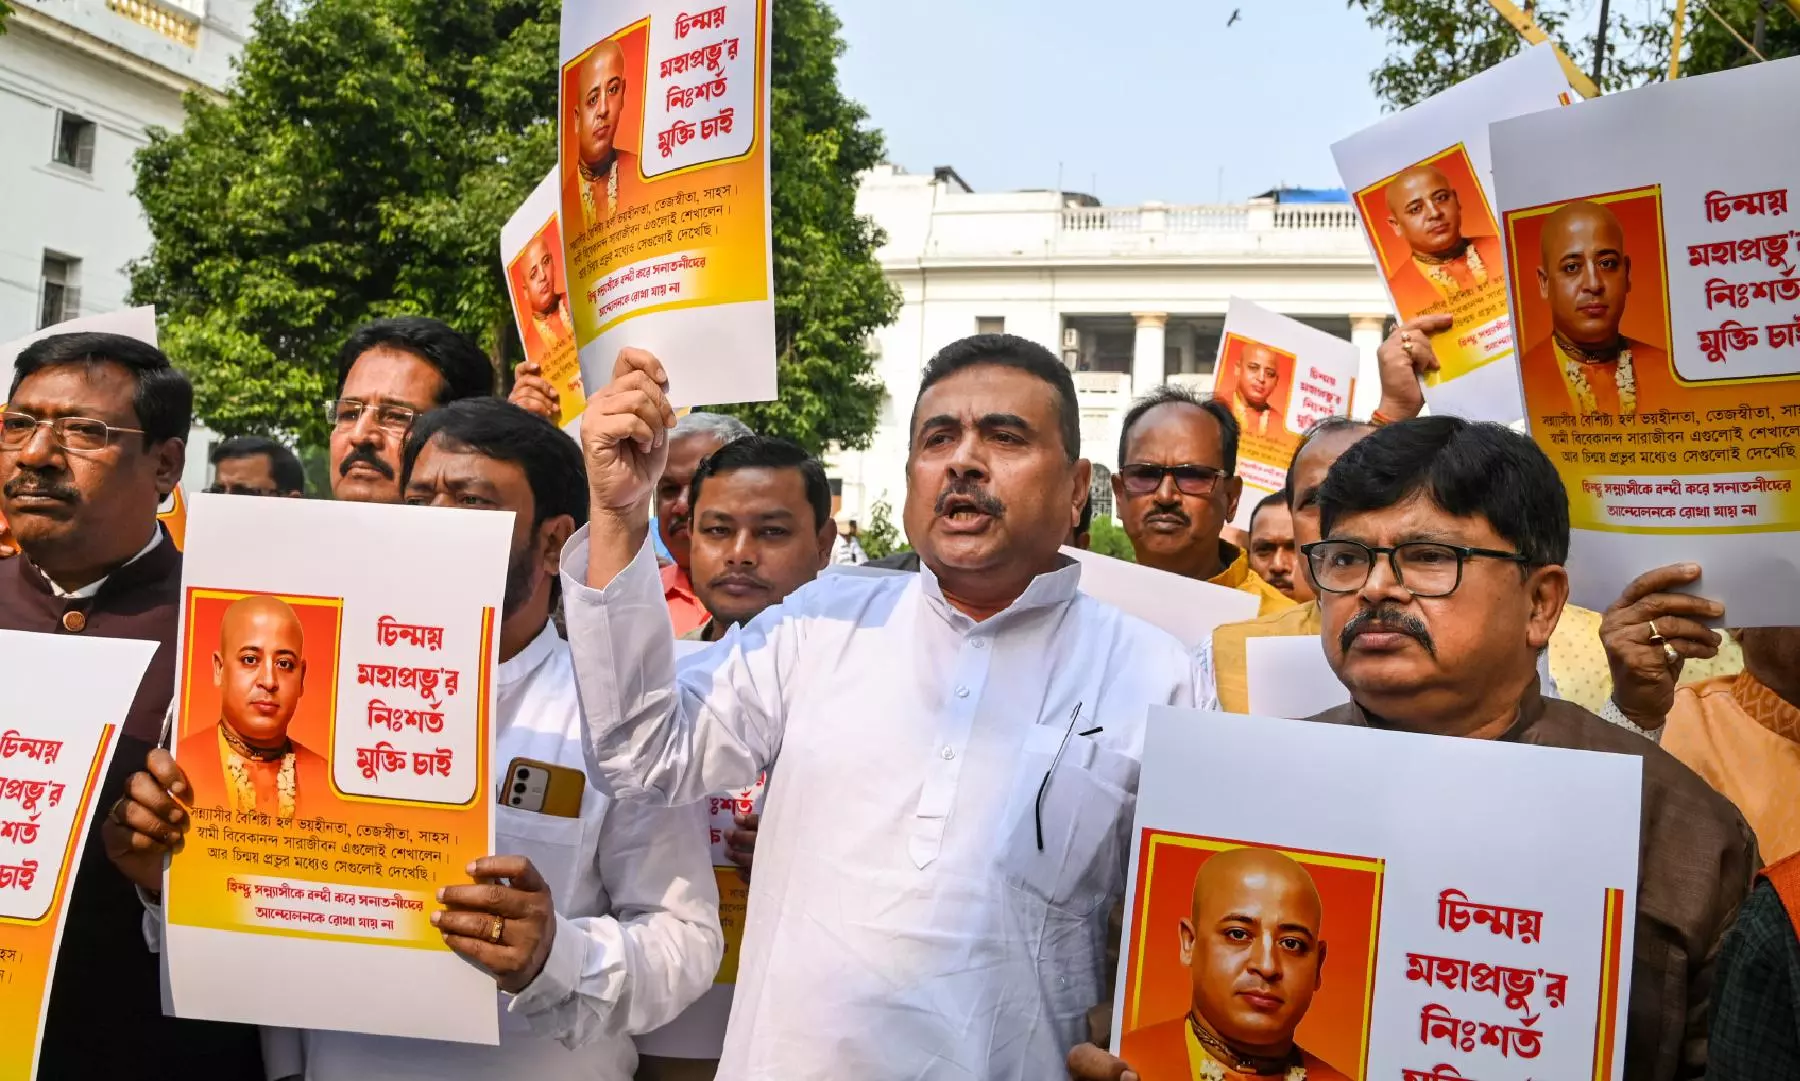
(1128, 296)
(81, 82)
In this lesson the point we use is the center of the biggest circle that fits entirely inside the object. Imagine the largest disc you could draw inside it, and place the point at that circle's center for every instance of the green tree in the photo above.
(1108, 538)
(362, 164)
(881, 537)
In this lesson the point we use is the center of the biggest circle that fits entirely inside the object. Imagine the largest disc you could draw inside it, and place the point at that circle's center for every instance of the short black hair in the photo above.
(1273, 499)
(1467, 468)
(284, 464)
(766, 452)
(466, 370)
(164, 402)
(1325, 426)
(504, 432)
(1170, 394)
(1008, 351)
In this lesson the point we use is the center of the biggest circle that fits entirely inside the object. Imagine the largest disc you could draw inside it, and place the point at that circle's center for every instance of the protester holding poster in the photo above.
(1422, 187)
(549, 380)
(1654, 302)
(92, 440)
(664, 190)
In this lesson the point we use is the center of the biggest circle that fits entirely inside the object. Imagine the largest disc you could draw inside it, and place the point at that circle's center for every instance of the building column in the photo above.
(1366, 333)
(1147, 352)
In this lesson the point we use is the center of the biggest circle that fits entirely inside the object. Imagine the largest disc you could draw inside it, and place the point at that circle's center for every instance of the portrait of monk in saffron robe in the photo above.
(1442, 262)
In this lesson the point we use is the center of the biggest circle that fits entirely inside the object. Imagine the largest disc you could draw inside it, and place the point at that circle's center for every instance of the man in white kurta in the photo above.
(917, 910)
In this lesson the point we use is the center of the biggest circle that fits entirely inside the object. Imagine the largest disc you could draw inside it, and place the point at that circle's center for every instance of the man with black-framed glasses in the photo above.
(92, 439)
(1439, 586)
(389, 372)
(1176, 489)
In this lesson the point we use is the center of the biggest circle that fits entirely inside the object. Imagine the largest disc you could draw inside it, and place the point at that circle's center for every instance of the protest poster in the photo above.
(1280, 377)
(1289, 676)
(1422, 186)
(335, 718)
(1447, 959)
(663, 160)
(56, 738)
(1655, 295)
(699, 1033)
(531, 250)
(1184, 607)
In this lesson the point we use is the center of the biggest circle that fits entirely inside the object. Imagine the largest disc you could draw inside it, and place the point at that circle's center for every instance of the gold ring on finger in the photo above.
(1670, 655)
(1655, 635)
(497, 929)
(118, 811)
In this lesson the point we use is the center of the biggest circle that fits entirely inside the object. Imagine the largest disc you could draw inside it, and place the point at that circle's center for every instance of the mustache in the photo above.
(1387, 618)
(31, 482)
(738, 578)
(1170, 510)
(365, 456)
(969, 490)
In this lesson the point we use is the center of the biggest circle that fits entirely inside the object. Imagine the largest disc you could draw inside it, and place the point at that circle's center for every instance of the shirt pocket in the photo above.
(556, 846)
(1085, 816)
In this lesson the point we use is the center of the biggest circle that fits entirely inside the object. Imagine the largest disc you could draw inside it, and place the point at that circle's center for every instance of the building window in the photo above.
(990, 324)
(1100, 492)
(75, 141)
(60, 290)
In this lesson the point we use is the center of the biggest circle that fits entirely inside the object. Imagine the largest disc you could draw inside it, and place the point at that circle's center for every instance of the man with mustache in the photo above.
(1271, 547)
(248, 758)
(1438, 589)
(695, 437)
(1175, 490)
(92, 440)
(1425, 211)
(1585, 276)
(389, 372)
(608, 918)
(602, 168)
(954, 752)
(1254, 950)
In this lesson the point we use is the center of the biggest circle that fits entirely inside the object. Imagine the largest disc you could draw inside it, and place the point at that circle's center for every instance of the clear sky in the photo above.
(1132, 99)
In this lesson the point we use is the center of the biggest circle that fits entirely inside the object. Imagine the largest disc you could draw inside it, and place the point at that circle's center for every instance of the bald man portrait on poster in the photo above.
(597, 107)
(549, 323)
(248, 762)
(1443, 264)
(1252, 944)
(1586, 365)
(1253, 400)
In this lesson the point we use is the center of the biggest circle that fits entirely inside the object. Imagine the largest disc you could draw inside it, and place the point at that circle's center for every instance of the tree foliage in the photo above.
(368, 152)
(881, 536)
(1108, 538)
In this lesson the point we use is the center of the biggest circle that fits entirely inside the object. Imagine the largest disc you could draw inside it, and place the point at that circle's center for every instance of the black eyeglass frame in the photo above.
(1463, 552)
(1212, 474)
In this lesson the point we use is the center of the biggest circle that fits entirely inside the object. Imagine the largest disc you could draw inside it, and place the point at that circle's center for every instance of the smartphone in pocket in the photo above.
(543, 788)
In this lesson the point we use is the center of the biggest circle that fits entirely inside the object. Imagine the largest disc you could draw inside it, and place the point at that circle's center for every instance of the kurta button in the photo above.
(979, 643)
(74, 622)
(949, 753)
(962, 692)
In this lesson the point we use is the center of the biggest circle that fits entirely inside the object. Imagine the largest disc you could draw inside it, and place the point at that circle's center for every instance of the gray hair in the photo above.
(718, 425)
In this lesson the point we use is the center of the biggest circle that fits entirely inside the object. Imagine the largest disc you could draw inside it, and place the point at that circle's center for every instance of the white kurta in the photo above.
(903, 921)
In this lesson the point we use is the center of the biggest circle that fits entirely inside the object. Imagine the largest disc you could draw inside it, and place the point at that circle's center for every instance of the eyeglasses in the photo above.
(1142, 478)
(70, 433)
(240, 489)
(346, 412)
(1424, 568)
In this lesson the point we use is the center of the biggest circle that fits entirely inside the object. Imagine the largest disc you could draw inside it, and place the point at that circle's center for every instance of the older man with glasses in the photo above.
(389, 372)
(1175, 491)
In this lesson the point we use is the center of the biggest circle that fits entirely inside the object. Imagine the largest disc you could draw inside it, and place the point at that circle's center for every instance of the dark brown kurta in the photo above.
(1696, 862)
(105, 1016)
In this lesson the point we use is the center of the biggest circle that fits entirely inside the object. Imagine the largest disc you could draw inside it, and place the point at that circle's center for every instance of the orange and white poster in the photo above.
(56, 738)
(664, 191)
(1656, 298)
(1369, 941)
(335, 718)
(1421, 183)
(1280, 377)
(531, 250)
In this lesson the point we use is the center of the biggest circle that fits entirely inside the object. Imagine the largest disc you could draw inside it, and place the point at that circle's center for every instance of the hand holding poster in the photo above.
(335, 722)
(1280, 377)
(531, 249)
(1656, 298)
(56, 738)
(665, 181)
(1447, 959)
(1422, 188)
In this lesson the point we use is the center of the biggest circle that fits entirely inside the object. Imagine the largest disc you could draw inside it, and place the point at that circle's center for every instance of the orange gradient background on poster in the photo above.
(1159, 987)
(197, 892)
(1477, 216)
(551, 234)
(25, 986)
(736, 254)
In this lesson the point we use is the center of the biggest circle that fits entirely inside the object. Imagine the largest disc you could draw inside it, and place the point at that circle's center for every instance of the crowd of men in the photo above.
(952, 753)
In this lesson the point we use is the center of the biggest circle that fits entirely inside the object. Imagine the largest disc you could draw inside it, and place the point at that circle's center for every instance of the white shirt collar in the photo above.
(1048, 589)
(89, 590)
